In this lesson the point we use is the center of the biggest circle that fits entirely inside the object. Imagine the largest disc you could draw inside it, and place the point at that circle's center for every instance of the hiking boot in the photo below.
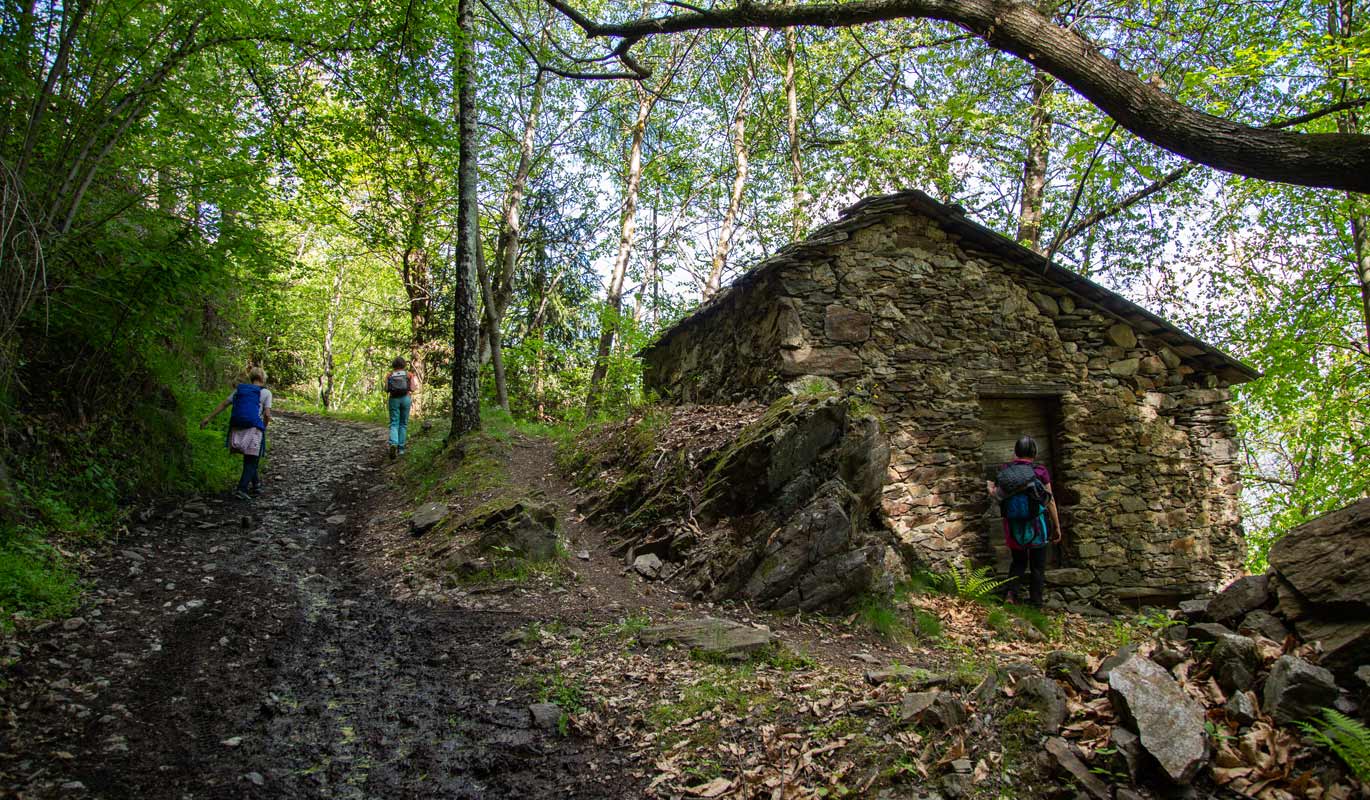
(394, 451)
(241, 495)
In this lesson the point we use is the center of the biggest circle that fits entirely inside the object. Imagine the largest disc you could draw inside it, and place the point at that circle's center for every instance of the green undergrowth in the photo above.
(298, 402)
(776, 656)
(74, 482)
(35, 579)
(1348, 738)
(470, 467)
(723, 690)
(898, 618)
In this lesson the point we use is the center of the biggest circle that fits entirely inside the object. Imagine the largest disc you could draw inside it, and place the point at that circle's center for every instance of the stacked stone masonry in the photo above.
(922, 325)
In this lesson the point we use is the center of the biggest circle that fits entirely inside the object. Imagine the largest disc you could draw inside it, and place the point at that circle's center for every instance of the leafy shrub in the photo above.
(1346, 737)
(969, 584)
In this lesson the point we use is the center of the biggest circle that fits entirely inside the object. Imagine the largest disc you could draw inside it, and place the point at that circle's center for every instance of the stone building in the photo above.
(962, 340)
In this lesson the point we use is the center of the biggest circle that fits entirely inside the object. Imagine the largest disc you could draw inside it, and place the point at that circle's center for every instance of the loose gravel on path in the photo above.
(257, 650)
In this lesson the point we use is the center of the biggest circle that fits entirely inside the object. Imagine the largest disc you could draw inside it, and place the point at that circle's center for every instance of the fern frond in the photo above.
(970, 584)
(1349, 739)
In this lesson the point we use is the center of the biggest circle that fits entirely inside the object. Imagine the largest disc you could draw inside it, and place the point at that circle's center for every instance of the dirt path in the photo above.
(229, 649)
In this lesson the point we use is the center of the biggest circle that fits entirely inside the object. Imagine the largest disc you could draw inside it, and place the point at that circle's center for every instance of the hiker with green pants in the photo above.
(400, 385)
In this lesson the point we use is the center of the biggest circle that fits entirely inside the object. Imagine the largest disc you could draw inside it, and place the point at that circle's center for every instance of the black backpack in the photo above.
(397, 384)
(1024, 503)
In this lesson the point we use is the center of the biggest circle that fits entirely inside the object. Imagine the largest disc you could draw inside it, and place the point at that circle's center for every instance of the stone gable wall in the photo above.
(903, 316)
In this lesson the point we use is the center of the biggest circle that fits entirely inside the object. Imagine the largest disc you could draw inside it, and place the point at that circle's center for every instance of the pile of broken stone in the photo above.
(1215, 697)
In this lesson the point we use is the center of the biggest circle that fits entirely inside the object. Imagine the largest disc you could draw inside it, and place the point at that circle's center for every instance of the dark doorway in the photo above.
(1003, 420)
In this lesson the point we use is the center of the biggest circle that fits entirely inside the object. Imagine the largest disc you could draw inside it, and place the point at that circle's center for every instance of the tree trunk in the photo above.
(537, 306)
(330, 326)
(799, 214)
(1330, 160)
(509, 243)
(417, 279)
(1035, 162)
(614, 300)
(650, 281)
(492, 325)
(465, 324)
(729, 226)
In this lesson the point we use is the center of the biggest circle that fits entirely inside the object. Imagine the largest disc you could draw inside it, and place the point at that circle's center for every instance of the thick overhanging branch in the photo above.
(635, 70)
(1330, 160)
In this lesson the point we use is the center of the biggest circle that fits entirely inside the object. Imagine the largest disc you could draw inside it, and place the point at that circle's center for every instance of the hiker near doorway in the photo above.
(400, 385)
(247, 423)
(1023, 490)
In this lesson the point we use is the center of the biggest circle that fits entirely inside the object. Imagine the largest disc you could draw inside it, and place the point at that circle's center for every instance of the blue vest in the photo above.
(247, 407)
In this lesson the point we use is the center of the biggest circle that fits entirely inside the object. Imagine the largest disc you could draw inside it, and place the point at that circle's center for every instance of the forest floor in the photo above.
(304, 646)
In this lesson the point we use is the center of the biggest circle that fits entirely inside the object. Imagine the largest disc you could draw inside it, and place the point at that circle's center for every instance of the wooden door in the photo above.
(1004, 420)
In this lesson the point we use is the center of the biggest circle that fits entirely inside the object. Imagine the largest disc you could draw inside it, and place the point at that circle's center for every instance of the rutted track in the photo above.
(254, 650)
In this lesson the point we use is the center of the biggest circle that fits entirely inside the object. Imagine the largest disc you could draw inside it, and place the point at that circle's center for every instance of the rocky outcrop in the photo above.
(505, 530)
(1321, 575)
(781, 512)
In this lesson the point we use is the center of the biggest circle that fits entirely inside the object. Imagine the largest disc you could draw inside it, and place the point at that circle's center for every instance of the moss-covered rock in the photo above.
(774, 506)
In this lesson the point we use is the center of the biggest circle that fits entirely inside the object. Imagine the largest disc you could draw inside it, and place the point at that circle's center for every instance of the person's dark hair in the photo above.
(1026, 447)
(398, 363)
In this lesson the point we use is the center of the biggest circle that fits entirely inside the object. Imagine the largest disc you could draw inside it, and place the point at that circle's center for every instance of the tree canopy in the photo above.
(516, 206)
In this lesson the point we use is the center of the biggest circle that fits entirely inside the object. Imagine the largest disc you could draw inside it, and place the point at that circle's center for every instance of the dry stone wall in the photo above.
(901, 315)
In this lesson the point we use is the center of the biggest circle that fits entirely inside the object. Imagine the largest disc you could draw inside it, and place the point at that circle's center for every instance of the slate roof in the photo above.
(952, 219)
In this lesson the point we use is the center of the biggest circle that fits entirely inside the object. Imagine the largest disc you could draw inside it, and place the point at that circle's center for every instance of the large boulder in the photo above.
(1245, 594)
(519, 528)
(787, 517)
(1327, 560)
(773, 451)
(1168, 721)
(1297, 690)
(1322, 581)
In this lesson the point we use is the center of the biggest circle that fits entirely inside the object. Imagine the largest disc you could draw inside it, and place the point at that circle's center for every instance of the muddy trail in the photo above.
(235, 649)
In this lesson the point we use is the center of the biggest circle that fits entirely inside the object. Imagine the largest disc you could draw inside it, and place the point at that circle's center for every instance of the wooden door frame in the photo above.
(1049, 394)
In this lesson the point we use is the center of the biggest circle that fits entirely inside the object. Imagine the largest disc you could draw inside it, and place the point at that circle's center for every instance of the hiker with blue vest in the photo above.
(399, 384)
(247, 423)
(1023, 489)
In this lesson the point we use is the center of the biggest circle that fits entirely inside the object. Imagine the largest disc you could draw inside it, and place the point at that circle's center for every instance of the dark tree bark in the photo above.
(1331, 160)
(465, 351)
(1035, 162)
